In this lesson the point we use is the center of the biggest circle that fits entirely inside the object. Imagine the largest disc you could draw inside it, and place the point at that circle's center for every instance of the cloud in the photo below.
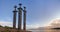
(6, 23)
(10, 24)
(54, 23)
(33, 26)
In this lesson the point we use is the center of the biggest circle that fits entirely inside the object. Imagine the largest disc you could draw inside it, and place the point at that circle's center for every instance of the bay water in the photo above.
(51, 30)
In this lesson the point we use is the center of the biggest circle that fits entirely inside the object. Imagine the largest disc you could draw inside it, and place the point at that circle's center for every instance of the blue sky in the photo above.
(39, 12)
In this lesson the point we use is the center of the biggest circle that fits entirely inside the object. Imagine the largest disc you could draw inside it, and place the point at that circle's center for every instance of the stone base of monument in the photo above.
(26, 31)
(23, 31)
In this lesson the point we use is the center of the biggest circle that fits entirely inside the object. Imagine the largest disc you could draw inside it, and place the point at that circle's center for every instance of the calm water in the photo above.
(46, 31)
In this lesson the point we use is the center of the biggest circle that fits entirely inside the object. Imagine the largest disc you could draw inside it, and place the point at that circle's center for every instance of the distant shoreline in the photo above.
(55, 28)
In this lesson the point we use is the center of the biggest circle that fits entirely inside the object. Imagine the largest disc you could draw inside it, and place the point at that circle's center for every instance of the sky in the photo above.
(39, 12)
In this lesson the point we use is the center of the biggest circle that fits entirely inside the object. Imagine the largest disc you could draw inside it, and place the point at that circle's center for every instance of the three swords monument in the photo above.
(21, 12)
